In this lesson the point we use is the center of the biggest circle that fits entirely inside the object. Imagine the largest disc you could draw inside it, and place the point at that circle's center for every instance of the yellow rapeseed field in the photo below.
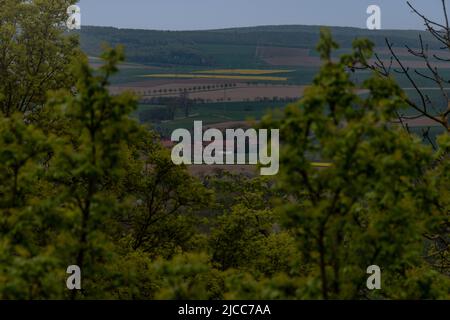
(321, 164)
(213, 76)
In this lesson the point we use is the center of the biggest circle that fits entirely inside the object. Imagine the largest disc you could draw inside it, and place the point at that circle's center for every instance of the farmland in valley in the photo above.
(224, 76)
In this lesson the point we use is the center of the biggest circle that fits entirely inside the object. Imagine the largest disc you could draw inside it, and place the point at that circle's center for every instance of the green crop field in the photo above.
(211, 113)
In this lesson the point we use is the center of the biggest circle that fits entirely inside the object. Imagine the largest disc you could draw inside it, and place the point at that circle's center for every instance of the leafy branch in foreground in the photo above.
(368, 206)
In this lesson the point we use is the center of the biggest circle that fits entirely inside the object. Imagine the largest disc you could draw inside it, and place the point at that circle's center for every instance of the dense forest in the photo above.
(204, 48)
(82, 183)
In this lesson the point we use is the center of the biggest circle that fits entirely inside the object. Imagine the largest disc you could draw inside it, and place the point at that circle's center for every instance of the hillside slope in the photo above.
(234, 47)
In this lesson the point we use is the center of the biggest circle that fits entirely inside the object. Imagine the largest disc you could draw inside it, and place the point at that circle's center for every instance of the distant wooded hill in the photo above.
(235, 47)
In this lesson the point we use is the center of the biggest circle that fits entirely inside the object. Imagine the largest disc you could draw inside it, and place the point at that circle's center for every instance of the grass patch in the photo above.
(243, 71)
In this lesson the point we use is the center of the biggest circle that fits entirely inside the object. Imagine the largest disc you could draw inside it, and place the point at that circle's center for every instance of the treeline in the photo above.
(193, 47)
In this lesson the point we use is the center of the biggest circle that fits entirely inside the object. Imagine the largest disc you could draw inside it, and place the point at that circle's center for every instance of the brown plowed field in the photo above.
(241, 92)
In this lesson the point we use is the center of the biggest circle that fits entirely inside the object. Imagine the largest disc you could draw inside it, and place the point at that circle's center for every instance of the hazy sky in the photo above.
(211, 14)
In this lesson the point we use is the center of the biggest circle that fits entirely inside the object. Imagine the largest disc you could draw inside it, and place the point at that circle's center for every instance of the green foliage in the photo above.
(188, 277)
(36, 55)
(92, 188)
(91, 160)
(438, 232)
(81, 182)
(28, 267)
(161, 198)
(371, 205)
(246, 235)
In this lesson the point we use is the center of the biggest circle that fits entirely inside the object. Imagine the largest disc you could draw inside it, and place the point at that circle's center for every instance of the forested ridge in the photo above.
(199, 47)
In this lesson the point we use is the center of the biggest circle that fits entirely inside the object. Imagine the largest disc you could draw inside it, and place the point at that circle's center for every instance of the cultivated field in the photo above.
(251, 93)
(215, 76)
(247, 85)
(276, 56)
(211, 91)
